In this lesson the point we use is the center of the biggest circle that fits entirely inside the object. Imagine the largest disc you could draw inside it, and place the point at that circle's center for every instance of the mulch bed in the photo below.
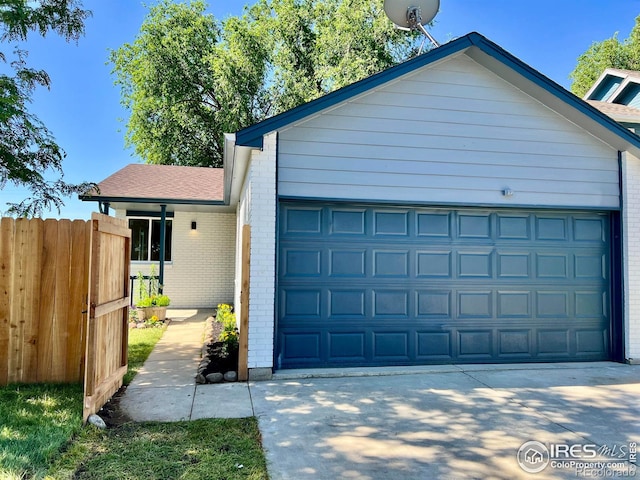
(220, 360)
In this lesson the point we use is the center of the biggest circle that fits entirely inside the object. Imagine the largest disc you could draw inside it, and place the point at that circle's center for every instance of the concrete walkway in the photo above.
(165, 390)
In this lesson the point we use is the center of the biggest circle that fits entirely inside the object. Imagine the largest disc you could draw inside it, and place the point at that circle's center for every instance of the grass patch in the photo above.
(36, 421)
(201, 449)
(141, 343)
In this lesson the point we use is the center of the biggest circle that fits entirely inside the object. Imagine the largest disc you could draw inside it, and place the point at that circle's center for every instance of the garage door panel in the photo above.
(390, 263)
(474, 226)
(347, 346)
(434, 264)
(371, 285)
(553, 343)
(475, 344)
(347, 304)
(347, 222)
(390, 223)
(301, 347)
(515, 344)
(512, 227)
(391, 346)
(434, 346)
(303, 220)
(391, 303)
(432, 225)
(514, 304)
(552, 228)
(433, 304)
(591, 342)
(347, 262)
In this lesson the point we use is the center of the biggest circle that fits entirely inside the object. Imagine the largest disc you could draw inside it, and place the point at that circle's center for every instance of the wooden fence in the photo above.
(43, 294)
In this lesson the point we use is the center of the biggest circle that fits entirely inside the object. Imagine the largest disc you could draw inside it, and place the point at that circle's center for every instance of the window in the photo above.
(145, 239)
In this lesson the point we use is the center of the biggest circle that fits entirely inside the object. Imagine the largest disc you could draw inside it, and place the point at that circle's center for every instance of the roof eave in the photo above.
(159, 200)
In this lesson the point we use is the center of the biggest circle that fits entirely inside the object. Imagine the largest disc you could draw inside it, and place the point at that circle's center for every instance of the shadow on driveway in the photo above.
(465, 424)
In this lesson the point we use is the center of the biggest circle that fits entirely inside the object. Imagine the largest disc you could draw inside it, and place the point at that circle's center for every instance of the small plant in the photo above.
(154, 321)
(154, 301)
(229, 334)
(150, 296)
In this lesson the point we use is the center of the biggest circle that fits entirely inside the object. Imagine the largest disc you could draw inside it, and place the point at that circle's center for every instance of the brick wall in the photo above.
(202, 269)
(258, 208)
(631, 233)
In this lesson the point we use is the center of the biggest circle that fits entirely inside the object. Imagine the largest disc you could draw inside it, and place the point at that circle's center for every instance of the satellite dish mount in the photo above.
(412, 15)
(414, 19)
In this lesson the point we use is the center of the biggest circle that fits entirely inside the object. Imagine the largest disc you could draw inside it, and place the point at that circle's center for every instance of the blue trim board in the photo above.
(166, 201)
(496, 206)
(253, 136)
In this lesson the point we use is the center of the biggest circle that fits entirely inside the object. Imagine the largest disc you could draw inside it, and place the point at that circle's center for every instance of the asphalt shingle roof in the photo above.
(173, 182)
(615, 109)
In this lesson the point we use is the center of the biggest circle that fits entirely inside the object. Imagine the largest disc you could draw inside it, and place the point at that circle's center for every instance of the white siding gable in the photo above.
(452, 132)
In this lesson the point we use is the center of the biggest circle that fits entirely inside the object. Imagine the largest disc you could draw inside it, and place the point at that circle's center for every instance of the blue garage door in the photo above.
(373, 285)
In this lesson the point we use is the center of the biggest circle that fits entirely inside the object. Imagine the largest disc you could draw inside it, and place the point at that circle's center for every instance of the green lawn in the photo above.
(36, 421)
(41, 436)
(202, 449)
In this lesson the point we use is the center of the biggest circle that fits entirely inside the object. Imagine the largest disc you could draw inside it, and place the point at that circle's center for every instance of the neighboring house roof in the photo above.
(616, 86)
(161, 184)
(620, 113)
(485, 53)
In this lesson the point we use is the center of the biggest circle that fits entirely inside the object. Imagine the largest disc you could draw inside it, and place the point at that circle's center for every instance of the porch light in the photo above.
(193, 225)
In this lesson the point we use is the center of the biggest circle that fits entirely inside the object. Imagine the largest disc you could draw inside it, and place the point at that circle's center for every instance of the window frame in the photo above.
(150, 220)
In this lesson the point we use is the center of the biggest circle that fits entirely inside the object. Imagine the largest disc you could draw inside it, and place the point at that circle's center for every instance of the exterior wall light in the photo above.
(193, 226)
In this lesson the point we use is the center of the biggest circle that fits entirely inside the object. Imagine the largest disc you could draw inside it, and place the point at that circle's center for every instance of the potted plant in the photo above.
(151, 302)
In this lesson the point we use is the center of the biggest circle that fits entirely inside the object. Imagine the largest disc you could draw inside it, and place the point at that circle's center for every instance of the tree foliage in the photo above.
(610, 53)
(28, 150)
(188, 78)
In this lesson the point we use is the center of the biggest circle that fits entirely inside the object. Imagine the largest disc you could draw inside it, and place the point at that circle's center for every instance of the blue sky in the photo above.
(83, 110)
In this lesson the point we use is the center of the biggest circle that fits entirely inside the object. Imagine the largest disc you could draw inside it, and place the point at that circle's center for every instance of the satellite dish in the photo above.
(412, 14)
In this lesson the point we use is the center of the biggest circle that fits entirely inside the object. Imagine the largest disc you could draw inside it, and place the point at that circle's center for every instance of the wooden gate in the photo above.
(107, 319)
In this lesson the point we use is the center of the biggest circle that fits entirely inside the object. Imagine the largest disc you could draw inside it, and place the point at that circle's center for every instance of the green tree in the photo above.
(188, 78)
(28, 151)
(610, 53)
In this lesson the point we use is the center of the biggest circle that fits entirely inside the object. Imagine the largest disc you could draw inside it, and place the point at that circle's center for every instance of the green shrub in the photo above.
(227, 318)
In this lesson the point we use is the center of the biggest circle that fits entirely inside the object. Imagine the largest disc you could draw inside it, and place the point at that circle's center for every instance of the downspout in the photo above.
(163, 226)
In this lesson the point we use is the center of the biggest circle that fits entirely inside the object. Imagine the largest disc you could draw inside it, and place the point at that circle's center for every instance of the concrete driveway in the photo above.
(452, 422)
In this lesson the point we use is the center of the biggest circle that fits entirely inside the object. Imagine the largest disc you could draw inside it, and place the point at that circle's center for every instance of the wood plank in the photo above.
(124, 350)
(243, 341)
(111, 306)
(47, 300)
(114, 230)
(7, 226)
(61, 304)
(112, 225)
(33, 269)
(78, 272)
(92, 344)
(16, 339)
